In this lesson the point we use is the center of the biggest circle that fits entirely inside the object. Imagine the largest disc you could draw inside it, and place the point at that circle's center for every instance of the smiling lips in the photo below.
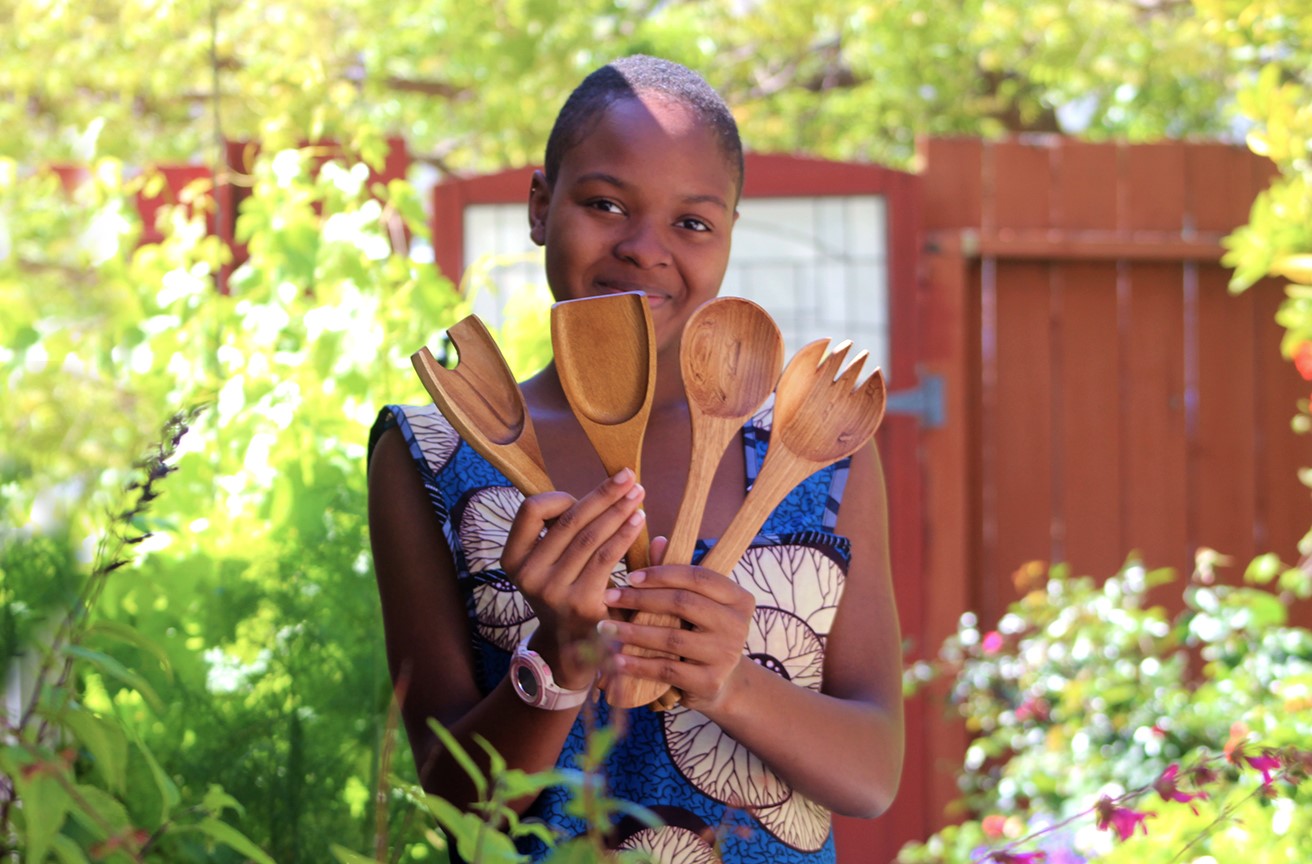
(613, 286)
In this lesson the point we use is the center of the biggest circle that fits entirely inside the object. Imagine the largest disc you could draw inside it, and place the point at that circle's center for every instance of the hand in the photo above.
(560, 553)
(717, 613)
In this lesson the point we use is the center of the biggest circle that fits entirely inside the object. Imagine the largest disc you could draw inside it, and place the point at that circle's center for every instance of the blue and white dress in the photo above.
(718, 801)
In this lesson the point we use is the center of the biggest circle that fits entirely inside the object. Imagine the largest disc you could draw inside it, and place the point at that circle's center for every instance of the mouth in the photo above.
(655, 296)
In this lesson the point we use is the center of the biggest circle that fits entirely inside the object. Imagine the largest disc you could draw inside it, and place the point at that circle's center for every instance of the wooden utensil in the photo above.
(605, 353)
(483, 402)
(818, 419)
(731, 353)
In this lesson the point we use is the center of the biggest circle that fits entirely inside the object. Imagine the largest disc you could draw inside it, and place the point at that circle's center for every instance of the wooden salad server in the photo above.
(482, 400)
(605, 352)
(819, 418)
(730, 356)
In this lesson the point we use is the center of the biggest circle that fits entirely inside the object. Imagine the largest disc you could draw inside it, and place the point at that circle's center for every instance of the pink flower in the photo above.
(1265, 763)
(1168, 787)
(1032, 709)
(1122, 819)
(992, 643)
(994, 825)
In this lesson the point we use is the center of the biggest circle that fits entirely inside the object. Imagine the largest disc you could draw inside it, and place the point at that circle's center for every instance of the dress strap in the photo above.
(756, 440)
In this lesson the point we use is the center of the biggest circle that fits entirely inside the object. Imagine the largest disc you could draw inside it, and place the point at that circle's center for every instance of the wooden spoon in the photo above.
(483, 402)
(818, 419)
(731, 353)
(605, 351)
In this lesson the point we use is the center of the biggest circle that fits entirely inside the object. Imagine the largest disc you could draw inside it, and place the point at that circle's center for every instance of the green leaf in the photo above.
(513, 783)
(45, 805)
(475, 840)
(131, 636)
(168, 790)
(112, 668)
(224, 833)
(1264, 610)
(99, 811)
(1263, 569)
(346, 856)
(104, 740)
(216, 800)
(67, 851)
(462, 757)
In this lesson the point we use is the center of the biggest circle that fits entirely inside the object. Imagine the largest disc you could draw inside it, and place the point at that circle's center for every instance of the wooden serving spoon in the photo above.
(818, 419)
(605, 350)
(730, 355)
(483, 402)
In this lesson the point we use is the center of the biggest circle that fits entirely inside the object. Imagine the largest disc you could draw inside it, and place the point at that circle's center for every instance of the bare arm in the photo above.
(852, 760)
(427, 632)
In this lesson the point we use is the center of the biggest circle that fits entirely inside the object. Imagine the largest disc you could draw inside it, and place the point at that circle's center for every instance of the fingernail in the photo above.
(622, 476)
(611, 595)
(635, 492)
(637, 518)
(607, 627)
(637, 578)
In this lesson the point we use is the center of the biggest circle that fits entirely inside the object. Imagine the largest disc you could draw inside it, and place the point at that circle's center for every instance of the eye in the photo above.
(605, 205)
(692, 223)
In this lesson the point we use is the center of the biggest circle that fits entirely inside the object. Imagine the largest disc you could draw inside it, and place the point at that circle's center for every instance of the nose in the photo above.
(642, 245)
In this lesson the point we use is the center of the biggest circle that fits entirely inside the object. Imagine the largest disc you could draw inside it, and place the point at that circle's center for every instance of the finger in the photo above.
(534, 515)
(670, 641)
(674, 589)
(657, 549)
(583, 573)
(532, 554)
(613, 501)
(595, 550)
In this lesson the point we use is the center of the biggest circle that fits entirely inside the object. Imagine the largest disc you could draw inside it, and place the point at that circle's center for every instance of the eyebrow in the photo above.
(603, 177)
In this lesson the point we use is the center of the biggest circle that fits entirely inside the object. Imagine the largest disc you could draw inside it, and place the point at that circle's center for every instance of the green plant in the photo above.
(1087, 703)
(257, 590)
(81, 784)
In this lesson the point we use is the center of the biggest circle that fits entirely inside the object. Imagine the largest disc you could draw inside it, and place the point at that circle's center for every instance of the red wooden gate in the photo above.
(1104, 392)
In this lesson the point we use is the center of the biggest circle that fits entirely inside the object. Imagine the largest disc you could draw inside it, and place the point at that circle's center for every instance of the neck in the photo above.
(669, 381)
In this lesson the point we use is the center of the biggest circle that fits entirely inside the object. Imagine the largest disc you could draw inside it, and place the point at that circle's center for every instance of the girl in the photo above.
(790, 670)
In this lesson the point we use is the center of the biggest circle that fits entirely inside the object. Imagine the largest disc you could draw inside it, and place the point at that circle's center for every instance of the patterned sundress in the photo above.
(717, 800)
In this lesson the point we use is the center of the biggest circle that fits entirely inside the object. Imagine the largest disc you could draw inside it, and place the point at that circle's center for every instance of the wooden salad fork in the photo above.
(482, 400)
(820, 417)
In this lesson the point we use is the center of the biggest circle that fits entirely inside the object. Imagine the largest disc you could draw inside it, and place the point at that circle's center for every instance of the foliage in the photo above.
(474, 87)
(256, 593)
(80, 784)
(1275, 39)
(1086, 695)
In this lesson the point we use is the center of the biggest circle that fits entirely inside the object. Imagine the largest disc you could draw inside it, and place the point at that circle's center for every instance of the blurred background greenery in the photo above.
(230, 676)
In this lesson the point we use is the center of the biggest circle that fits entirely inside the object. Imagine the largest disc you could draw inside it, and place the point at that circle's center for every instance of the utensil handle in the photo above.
(777, 478)
(706, 455)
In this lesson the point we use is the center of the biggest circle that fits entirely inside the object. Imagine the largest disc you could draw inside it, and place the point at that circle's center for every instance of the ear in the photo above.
(539, 202)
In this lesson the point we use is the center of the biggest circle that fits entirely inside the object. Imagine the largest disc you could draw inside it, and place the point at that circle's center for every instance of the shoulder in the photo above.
(427, 436)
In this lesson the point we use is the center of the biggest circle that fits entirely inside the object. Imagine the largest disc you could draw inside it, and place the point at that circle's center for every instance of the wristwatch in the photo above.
(533, 682)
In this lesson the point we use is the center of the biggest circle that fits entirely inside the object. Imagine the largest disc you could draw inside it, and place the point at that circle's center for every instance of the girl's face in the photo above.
(644, 202)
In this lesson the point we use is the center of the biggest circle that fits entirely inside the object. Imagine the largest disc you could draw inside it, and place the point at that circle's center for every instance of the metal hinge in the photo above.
(925, 402)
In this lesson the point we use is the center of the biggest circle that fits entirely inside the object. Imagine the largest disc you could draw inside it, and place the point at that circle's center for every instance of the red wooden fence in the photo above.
(1105, 394)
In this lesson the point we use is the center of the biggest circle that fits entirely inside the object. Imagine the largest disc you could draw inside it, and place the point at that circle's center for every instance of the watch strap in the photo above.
(550, 696)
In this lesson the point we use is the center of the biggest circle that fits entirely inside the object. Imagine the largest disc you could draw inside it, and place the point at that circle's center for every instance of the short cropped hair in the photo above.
(638, 75)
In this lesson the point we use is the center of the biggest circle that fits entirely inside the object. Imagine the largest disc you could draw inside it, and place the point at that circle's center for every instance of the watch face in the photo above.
(528, 682)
